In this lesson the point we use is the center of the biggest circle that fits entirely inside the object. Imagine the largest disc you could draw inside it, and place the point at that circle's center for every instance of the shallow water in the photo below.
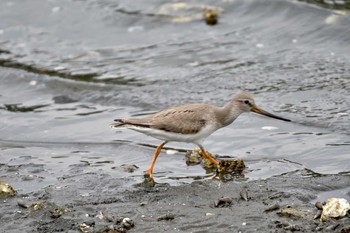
(68, 69)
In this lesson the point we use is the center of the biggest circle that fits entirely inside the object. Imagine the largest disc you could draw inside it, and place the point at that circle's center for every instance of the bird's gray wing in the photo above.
(186, 119)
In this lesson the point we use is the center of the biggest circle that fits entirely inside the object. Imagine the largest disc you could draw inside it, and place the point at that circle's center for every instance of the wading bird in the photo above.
(191, 123)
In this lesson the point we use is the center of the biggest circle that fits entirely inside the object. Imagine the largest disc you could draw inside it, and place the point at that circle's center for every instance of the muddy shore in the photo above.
(97, 202)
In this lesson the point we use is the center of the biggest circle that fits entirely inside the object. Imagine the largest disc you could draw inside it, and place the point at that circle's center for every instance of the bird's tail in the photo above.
(119, 123)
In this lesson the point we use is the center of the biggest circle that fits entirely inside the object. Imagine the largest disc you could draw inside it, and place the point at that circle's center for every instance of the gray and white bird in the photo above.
(191, 123)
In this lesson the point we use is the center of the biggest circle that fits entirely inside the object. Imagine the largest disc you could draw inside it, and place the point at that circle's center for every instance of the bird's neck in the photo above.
(228, 113)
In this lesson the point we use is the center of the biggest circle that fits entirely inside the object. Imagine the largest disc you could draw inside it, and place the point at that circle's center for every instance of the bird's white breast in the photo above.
(178, 137)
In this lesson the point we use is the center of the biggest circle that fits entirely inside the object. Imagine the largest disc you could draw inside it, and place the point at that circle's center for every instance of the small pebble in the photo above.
(166, 217)
(130, 168)
(85, 228)
(285, 223)
(318, 205)
(127, 223)
(275, 206)
(22, 203)
(244, 194)
(120, 230)
(143, 203)
(57, 212)
(277, 195)
(318, 214)
(293, 228)
(210, 16)
(223, 202)
(100, 215)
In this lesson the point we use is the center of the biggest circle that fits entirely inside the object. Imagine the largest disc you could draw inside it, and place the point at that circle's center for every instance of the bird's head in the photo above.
(246, 103)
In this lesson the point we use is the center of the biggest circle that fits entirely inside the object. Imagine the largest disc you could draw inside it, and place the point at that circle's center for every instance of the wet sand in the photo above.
(102, 202)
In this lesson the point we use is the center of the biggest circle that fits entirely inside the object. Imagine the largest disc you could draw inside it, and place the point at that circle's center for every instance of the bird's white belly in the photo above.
(178, 137)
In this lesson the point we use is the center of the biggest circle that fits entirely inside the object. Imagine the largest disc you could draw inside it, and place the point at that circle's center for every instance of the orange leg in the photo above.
(150, 169)
(205, 155)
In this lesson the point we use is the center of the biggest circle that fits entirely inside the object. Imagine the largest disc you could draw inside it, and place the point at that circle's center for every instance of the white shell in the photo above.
(335, 207)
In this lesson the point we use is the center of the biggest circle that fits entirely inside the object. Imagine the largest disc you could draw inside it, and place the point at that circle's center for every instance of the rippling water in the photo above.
(68, 68)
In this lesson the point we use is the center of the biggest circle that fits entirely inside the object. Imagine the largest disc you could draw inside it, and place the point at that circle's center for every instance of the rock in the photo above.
(318, 214)
(279, 195)
(6, 190)
(244, 194)
(30, 205)
(334, 208)
(167, 217)
(273, 207)
(210, 16)
(23, 203)
(223, 202)
(296, 213)
(86, 228)
(57, 212)
(127, 223)
(193, 157)
(318, 205)
(293, 227)
(130, 168)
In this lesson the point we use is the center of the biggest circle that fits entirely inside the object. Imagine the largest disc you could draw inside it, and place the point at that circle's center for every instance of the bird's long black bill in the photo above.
(265, 113)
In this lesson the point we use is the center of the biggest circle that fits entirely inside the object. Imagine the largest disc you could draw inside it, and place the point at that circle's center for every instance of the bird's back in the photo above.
(182, 119)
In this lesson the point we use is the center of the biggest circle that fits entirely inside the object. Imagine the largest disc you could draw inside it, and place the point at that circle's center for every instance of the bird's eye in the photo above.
(247, 102)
